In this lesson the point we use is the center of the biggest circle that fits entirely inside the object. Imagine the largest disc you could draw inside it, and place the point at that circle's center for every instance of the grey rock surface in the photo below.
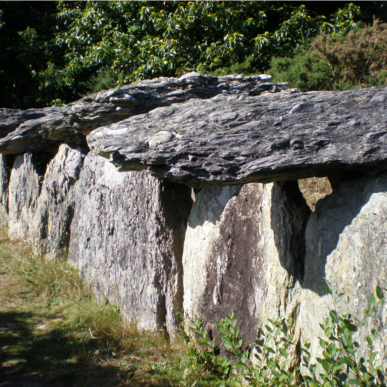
(233, 139)
(4, 181)
(50, 229)
(346, 245)
(127, 240)
(23, 194)
(10, 119)
(243, 254)
(45, 129)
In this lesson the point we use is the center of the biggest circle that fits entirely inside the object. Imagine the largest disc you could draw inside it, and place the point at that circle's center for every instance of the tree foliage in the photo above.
(59, 51)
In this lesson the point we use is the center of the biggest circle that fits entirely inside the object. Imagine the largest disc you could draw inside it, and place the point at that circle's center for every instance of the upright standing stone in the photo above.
(4, 180)
(50, 231)
(243, 254)
(346, 241)
(127, 240)
(24, 190)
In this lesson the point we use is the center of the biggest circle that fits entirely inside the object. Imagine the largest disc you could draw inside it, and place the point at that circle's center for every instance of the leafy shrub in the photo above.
(336, 61)
(360, 58)
(304, 72)
(246, 68)
(269, 363)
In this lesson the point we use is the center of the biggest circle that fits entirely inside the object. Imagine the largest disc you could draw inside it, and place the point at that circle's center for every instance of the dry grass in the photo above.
(53, 332)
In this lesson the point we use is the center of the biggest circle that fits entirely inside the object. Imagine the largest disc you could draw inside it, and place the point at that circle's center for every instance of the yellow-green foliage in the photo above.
(336, 62)
(358, 59)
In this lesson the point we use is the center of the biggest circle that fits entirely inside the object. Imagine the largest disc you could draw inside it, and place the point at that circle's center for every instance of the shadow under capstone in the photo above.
(332, 215)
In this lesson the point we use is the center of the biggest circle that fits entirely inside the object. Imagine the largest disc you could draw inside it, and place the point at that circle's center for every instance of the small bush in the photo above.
(304, 72)
(336, 62)
(359, 59)
(269, 365)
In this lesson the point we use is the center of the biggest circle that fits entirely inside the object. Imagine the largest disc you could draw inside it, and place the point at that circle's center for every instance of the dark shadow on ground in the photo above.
(53, 358)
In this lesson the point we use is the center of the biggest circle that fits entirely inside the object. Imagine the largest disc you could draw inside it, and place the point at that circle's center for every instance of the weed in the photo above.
(269, 364)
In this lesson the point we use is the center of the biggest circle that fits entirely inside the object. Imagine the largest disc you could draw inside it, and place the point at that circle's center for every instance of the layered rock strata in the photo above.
(37, 130)
(41, 204)
(10, 119)
(50, 231)
(127, 240)
(231, 139)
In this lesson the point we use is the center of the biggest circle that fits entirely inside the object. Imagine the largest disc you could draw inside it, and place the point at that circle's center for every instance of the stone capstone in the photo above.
(234, 139)
(38, 130)
(50, 231)
(127, 240)
(244, 254)
(10, 119)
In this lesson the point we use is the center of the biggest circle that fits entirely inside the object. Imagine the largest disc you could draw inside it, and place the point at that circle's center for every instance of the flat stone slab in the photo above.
(37, 130)
(234, 139)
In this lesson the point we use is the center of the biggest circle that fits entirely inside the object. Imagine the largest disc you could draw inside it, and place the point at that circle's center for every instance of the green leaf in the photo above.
(334, 316)
(325, 365)
(244, 356)
(372, 301)
(260, 342)
(339, 297)
(369, 341)
(282, 352)
(328, 288)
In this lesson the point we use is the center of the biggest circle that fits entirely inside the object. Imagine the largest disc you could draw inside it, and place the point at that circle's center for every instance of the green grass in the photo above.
(54, 333)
